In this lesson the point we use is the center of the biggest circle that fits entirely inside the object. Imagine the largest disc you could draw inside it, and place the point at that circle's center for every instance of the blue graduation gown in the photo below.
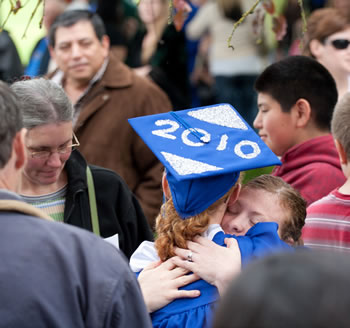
(262, 239)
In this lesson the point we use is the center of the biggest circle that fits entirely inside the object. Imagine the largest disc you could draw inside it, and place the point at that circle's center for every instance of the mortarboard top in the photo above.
(203, 150)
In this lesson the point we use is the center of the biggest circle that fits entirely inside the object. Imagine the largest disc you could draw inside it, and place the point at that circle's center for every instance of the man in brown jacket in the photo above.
(106, 93)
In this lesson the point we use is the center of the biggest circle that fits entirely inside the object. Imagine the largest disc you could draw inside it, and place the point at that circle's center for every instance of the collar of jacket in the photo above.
(12, 202)
(11, 205)
(76, 172)
(77, 194)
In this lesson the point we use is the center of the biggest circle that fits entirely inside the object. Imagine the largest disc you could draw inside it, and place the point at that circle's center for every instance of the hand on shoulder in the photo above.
(215, 264)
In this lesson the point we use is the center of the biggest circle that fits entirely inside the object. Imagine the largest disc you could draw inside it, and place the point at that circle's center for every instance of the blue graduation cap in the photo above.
(203, 150)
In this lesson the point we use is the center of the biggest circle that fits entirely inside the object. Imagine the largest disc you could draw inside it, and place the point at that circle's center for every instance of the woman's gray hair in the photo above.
(42, 102)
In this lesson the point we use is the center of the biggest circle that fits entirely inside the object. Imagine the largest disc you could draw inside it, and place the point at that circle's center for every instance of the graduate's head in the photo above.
(172, 230)
(203, 151)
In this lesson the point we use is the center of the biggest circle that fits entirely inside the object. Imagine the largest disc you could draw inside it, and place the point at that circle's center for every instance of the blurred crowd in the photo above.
(103, 64)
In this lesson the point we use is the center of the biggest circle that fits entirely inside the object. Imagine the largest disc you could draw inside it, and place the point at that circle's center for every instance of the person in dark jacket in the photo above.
(55, 275)
(55, 177)
(163, 52)
(10, 64)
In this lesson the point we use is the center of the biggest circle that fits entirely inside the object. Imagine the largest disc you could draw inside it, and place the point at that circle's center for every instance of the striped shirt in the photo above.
(52, 204)
(327, 224)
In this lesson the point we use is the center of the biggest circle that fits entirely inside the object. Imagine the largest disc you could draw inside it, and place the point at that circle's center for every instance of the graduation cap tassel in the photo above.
(190, 128)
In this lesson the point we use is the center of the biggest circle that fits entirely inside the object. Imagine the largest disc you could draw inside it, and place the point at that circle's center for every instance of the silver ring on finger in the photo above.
(189, 256)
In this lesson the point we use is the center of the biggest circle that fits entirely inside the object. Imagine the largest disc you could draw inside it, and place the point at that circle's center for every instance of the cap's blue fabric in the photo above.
(203, 150)
(193, 196)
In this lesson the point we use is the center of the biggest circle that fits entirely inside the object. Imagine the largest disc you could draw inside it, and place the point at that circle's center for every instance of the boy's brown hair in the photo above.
(301, 77)
(290, 200)
(341, 122)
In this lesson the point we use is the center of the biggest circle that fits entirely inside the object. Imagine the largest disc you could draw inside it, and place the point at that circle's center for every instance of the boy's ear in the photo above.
(290, 241)
(302, 111)
(234, 195)
(341, 152)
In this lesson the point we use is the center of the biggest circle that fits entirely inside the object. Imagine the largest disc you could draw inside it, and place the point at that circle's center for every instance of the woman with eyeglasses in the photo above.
(327, 40)
(55, 176)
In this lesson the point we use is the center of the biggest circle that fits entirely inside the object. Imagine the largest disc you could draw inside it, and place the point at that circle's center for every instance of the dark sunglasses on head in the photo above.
(340, 43)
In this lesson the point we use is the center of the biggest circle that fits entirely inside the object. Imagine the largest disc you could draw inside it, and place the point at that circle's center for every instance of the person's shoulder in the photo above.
(262, 228)
(317, 155)
(108, 179)
(318, 204)
(55, 234)
(142, 90)
(151, 98)
(146, 83)
(264, 235)
(102, 172)
(319, 168)
(145, 254)
(260, 240)
(333, 201)
(325, 175)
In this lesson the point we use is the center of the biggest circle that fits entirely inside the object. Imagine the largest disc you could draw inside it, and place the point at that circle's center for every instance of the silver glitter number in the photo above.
(256, 150)
(204, 138)
(223, 143)
(165, 133)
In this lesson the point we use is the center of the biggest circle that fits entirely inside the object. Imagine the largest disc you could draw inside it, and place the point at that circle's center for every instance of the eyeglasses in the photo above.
(67, 149)
(340, 44)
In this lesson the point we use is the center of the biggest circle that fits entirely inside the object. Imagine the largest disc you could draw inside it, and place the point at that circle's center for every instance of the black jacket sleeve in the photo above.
(10, 63)
(119, 211)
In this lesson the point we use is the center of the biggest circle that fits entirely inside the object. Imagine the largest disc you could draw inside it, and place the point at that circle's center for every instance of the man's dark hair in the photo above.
(10, 122)
(301, 77)
(71, 17)
(304, 289)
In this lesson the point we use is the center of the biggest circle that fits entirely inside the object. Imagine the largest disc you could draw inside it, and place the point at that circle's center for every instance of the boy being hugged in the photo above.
(296, 98)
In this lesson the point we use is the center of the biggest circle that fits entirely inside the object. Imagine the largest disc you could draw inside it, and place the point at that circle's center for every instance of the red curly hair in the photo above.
(173, 231)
